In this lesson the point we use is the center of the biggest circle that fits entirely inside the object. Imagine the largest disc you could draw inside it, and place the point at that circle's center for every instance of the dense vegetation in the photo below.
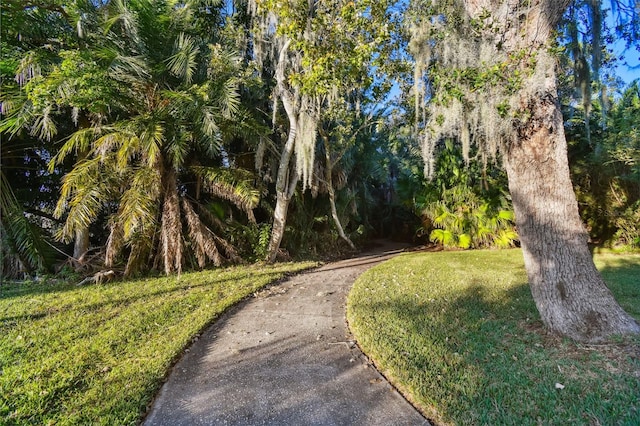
(147, 135)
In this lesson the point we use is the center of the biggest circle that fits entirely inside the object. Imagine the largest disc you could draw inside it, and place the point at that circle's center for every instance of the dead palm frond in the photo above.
(203, 239)
(170, 227)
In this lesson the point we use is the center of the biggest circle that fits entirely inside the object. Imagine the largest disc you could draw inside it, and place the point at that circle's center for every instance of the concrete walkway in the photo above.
(284, 357)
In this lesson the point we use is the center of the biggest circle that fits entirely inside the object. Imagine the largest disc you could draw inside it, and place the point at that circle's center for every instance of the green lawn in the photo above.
(98, 354)
(459, 334)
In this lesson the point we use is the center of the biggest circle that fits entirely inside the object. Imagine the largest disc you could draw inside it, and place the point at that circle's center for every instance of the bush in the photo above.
(466, 206)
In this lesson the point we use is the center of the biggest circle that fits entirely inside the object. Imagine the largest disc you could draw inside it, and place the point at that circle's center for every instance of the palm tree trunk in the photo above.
(171, 227)
(81, 245)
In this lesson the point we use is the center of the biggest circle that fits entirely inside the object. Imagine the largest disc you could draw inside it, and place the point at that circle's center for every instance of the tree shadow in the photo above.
(482, 358)
(54, 306)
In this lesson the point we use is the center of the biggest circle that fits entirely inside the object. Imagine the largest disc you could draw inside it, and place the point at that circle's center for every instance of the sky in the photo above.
(629, 72)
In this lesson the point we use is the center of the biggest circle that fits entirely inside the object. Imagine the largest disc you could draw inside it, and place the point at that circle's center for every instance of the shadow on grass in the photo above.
(482, 358)
(110, 299)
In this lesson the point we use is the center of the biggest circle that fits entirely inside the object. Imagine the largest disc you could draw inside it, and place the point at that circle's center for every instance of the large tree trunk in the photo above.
(570, 294)
(279, 223)
(286, 182)
(285, 188)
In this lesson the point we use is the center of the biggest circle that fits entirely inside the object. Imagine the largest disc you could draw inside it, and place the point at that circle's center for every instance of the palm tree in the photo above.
(41, 30)
(155, 97)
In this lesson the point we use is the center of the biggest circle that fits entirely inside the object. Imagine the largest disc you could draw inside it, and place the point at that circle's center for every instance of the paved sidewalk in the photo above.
(284, 357)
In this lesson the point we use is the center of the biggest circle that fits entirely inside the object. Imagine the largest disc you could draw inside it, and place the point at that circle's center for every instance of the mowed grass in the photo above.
(459, 334)
(98, 354)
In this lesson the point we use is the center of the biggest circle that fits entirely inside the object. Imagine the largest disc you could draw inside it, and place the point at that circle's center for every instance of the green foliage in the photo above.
(464, 219)
(25, 247)
(152, 92)
(465, 206)
(459, 333)
(606, 172)
(98, 354)
(252, 240)
(336, 40)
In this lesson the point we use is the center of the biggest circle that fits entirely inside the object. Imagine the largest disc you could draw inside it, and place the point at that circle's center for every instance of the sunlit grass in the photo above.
(459, 333)
(98, 354)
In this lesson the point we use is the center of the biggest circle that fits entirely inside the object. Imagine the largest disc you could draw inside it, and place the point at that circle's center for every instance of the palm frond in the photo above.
(19, 237)
(210, 126)
(229, 250)
(141, 246)
(171, 228)
(139, 203)
(125, 17)
(127, 152)
(80, 141)
(30, 67)
(16, 109)
(183, 63)
(211, 219)
(25, 240)
(43, 126)
(178, 148)
(201, 236)
(223, 83)
(152, 138)
(84, 191)
(229, 98)
(233, 185)
(129, 68)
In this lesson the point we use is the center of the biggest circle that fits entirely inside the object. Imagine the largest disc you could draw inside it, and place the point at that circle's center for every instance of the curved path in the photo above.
(284, 357)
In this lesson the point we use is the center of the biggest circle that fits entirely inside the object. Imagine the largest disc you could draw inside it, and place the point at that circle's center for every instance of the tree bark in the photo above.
(81, 245)
(279, 223)
(571, 296)
(332, 194)
(287, 179)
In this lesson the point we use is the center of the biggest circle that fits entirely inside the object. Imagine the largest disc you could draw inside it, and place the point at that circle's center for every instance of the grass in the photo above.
(459, 335)
(98, 354)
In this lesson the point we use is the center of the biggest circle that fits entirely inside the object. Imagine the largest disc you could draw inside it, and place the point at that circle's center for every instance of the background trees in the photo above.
(29, 32)
(321, 54)
(156, 111)
(606, 177)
